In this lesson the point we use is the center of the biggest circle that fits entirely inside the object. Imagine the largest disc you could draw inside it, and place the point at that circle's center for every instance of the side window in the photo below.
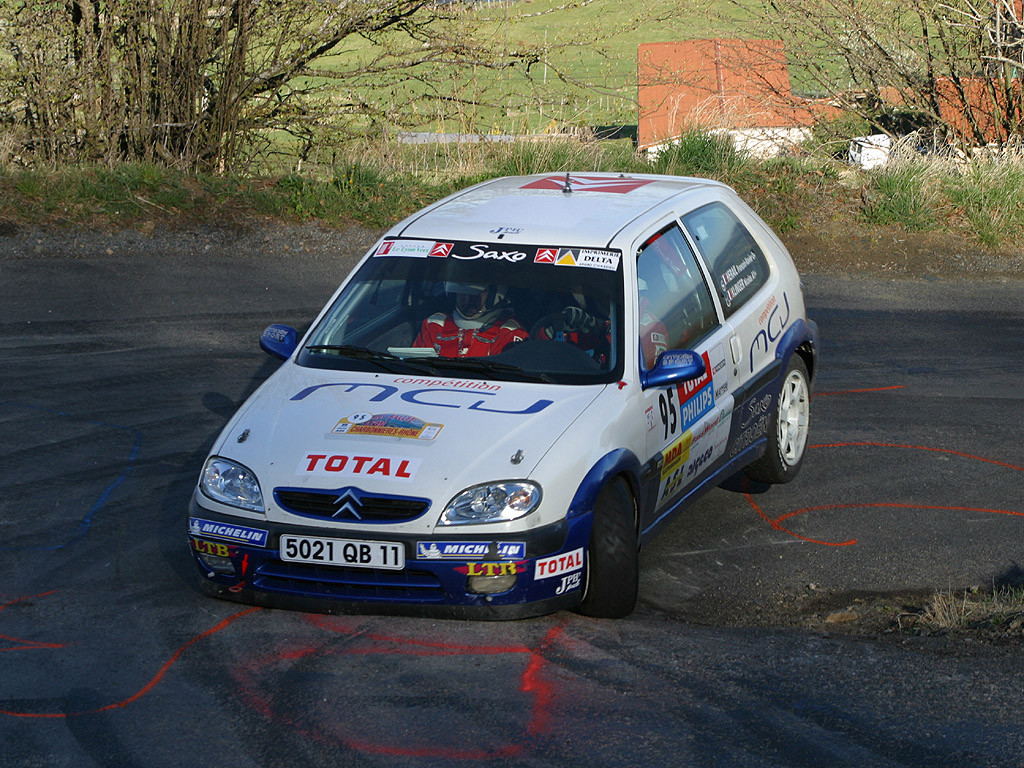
(735, 260)
(675, 303)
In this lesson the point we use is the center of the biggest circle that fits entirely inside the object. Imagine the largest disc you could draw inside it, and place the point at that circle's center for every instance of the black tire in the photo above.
(613, 557)
(788, 430)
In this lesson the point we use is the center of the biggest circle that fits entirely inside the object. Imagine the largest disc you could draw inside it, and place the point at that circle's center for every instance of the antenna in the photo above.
(568, 184)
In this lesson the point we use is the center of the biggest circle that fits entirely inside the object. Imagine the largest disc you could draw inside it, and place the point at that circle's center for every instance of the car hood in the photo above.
(427, 438)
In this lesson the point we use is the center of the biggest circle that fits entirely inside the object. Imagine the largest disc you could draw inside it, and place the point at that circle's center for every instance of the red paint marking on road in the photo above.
(432, 648)
(961, 454)
(777, 526)
(27, 597)
(776, 522)
(884, 505)
(542, 689)
(859, 391)
(148, 686)
(27, 645)
(532, 682)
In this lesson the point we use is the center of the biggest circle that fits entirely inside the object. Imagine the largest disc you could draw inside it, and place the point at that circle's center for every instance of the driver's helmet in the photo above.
(475, 304)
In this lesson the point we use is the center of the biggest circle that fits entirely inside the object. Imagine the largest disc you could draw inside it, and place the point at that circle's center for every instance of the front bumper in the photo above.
(548, 574)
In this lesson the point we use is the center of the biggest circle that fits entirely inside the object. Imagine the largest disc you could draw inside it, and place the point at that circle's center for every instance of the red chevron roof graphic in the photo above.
(588, 184)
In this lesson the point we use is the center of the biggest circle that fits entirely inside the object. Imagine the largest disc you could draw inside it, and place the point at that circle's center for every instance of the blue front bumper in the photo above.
(425, 586)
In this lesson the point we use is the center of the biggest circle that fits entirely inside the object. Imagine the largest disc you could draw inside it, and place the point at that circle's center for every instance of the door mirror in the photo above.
(279, 340)
(673, 366)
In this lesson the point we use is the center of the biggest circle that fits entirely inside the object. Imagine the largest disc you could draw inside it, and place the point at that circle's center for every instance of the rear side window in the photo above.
(738, 267)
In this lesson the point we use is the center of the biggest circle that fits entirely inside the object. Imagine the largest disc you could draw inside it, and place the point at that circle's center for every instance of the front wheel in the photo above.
(787, 434)
(613, 558)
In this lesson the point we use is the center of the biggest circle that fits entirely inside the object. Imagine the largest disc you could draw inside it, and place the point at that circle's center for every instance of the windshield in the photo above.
(478, 310)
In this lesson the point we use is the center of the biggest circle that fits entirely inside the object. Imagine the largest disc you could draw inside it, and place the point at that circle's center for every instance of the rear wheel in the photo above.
(787, 434)
(613, 559)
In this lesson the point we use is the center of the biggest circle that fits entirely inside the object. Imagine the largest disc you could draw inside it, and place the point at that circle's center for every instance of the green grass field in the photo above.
(590, 78)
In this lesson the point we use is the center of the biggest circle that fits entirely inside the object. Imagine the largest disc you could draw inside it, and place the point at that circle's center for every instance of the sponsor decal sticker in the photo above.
(677, 453)
(578, 257)
(755, 408)
(431, 395)
(387, 425)
(588, 184)
(558, 565)
(450, 384)
(492, 569)
(673, 470)
(490, 252)
(740, 286)
(470, 550)
(416, 249)
(428, 395)
(608, 260)
(239, 534)
(766, 337)
(696, 397)
(441, 250)
(733, 273)
(753, 420)
(651, 421)
(212, 547)
(570, 582)
(275, 334)
(358, 465)
(677, 359)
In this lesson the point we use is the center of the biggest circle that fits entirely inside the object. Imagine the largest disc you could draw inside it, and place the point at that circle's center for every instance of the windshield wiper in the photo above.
(351, 350)
(383, 359)
(428, 364)
(482, 364)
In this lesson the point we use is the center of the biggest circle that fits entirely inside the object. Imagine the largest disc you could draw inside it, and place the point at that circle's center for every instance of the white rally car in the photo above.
(515, 388)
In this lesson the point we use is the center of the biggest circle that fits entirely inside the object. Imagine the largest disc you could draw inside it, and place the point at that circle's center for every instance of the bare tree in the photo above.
(199, 83)
(953, 66)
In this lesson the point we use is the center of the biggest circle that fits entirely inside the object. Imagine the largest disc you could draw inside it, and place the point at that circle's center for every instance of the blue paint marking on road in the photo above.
(86, 522)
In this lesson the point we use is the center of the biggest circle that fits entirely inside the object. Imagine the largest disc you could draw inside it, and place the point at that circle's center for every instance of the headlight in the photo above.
(492, 503)
(231, 483)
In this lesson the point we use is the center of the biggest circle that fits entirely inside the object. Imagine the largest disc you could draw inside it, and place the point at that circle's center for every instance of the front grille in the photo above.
(374, 584)
(351, 505)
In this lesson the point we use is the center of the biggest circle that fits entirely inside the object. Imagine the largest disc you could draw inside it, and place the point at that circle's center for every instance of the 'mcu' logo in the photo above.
(766, 334)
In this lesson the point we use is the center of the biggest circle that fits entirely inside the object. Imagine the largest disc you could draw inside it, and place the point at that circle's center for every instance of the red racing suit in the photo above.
(653, 336)
(440, 332)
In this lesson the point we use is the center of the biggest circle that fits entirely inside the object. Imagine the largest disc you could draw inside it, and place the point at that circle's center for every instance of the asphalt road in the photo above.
(119, 368)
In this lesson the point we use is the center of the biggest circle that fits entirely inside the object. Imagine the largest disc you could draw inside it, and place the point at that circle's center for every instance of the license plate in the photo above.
(353, 553)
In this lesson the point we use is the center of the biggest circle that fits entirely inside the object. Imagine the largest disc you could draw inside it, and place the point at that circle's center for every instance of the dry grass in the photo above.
(999, 612)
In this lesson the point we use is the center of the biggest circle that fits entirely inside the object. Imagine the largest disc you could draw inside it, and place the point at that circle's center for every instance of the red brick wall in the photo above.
(714, 84)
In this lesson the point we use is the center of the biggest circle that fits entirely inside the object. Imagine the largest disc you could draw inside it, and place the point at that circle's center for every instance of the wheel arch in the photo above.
(801, 339)
(618, 463)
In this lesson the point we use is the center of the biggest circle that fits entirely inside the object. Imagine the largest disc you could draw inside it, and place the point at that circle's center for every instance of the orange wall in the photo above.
(715, 84)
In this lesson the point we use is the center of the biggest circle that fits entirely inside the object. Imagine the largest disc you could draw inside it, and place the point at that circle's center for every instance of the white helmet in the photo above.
(475, 304)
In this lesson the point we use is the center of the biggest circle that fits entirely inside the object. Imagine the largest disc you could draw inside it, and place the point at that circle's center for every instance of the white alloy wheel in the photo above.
(794, 417)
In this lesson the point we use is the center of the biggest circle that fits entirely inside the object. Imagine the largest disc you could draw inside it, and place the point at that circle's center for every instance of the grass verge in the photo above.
(375, 184)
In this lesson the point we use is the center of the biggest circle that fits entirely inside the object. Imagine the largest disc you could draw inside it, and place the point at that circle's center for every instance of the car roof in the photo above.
(537, 209)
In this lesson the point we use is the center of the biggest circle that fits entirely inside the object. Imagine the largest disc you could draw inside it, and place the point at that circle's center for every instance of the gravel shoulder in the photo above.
(833, 248)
